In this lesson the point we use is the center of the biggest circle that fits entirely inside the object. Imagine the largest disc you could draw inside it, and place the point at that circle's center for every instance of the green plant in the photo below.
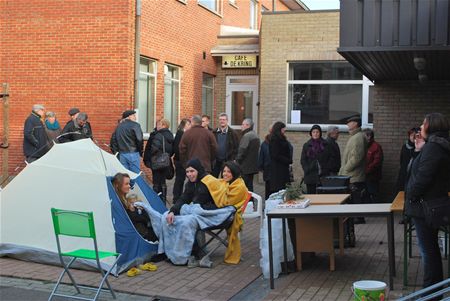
(293, 191)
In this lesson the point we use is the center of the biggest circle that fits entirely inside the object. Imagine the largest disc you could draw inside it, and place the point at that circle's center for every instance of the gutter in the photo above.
(137, 48)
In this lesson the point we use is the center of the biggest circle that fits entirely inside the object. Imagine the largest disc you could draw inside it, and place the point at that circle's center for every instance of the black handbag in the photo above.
(162, 160)
(437, 211)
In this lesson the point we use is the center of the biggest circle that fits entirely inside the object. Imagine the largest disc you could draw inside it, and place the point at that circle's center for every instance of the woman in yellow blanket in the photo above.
(230, 190)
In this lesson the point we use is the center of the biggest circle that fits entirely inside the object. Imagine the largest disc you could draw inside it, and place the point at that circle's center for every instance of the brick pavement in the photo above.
(369, 260)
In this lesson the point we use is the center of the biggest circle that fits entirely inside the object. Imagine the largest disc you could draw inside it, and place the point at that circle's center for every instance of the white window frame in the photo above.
(174, 126)
(219, 4)
(212, 88)
(155, 78)
(230, 88)
(255, 12)
(365, 82)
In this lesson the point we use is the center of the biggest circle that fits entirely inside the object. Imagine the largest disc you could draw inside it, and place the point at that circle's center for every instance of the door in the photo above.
(242, 99)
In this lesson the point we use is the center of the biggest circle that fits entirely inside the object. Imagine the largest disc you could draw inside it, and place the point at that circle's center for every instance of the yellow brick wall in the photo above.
(293, 36)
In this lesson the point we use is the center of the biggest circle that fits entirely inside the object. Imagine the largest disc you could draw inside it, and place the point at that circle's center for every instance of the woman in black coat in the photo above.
(406, 154)
(314, 159)
(428, 179)
(280, 157)
(160, 141)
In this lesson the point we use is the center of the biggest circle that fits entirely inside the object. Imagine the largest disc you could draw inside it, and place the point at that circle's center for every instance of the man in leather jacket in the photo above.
(127, 140)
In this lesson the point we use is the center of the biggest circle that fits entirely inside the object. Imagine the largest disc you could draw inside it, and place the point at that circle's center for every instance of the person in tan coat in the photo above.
(354, 165)
(198, 143)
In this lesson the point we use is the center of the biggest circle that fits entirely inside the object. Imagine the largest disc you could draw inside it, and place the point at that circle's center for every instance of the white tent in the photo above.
(71, 176)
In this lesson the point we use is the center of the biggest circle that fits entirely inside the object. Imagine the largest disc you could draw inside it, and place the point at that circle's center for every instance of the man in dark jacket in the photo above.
(227, 144)
(198, 143)
(247, 156)
(374, 163)
(77, 129)
(127, 140)
(334, 160)
(35, 142)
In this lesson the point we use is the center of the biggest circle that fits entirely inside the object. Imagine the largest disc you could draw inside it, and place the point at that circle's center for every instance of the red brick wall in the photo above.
(178, 33)
(64, 54)
(81, 53)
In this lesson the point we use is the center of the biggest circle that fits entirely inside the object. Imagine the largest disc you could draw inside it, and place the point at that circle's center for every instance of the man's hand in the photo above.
(170, 218)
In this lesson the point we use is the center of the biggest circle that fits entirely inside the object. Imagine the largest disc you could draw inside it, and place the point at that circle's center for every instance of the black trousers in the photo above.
(180, 177)
(267, 189)
(248, 180)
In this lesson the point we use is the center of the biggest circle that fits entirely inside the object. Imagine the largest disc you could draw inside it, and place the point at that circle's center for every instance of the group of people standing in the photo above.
(42, 129)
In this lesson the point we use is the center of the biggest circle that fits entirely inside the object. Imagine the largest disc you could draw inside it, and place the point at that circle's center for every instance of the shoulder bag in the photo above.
(161, 160)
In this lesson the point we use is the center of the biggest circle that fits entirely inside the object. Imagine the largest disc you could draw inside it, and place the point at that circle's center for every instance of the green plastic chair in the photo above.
(79, 224)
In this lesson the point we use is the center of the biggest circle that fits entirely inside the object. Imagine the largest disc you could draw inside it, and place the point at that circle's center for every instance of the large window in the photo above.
(171, 94)
(208, 95)
(146, 100)
(212, 5)
(327, 93)
(253, 14)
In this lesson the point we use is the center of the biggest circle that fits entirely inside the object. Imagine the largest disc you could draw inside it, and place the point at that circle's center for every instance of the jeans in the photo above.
(429, 251)
(131, 161)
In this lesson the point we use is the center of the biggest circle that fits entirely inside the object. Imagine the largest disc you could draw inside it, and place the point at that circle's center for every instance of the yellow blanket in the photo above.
(225, 194)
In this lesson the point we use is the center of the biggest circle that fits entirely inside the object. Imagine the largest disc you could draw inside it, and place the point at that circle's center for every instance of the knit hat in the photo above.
(128, 113)
(197, 165)
(315, 127)
(73, 111)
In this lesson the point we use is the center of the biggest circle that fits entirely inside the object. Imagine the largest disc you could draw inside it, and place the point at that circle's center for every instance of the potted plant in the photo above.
(293, 192)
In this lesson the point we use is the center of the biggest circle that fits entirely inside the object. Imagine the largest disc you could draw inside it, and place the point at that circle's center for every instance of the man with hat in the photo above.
(128, 141)
(73, 113)
(353, 165)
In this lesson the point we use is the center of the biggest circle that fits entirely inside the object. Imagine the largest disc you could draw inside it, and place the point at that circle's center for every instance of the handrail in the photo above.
(421, 294)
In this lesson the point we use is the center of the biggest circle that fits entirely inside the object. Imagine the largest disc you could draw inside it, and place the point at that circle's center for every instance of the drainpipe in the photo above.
(137, 47)
(273, 5)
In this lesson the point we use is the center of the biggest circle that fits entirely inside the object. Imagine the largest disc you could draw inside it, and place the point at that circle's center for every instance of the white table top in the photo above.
(343, 209)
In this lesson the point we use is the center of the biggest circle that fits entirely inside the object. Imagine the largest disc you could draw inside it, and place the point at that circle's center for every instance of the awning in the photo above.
(220, 50)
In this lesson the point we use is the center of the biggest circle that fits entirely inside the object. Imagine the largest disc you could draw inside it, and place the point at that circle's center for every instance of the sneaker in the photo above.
(158, 257)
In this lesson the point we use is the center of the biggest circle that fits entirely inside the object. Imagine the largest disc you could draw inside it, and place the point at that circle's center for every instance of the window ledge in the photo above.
(307, 127)
(183, 1)
(233, 4)
(210, 10)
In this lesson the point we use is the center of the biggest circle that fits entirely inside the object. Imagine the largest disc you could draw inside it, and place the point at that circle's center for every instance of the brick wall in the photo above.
(64, 54)
(311, 36)
(81, 53)
(400, 106)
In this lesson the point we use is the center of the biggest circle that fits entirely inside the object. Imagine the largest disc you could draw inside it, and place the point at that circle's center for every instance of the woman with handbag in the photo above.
(157, 156)
(427, 201)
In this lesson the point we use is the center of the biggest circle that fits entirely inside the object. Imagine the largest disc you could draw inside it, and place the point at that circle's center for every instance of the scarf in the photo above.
(229, 194)
(53, 127)
(316, 148)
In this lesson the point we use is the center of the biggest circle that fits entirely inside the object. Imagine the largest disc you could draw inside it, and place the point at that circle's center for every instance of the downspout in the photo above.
(273, 5)
(137, 55)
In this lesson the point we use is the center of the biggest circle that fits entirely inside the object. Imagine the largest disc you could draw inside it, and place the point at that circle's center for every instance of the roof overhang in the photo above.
(221, 50)
(398, 63)
(295, 4)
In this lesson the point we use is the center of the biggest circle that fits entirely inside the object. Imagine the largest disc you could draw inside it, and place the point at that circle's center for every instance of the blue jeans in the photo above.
(430, 252)
(131, 161)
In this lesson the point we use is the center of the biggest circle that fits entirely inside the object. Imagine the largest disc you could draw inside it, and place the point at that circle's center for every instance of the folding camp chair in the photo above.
(214, 233)
(79, 224)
